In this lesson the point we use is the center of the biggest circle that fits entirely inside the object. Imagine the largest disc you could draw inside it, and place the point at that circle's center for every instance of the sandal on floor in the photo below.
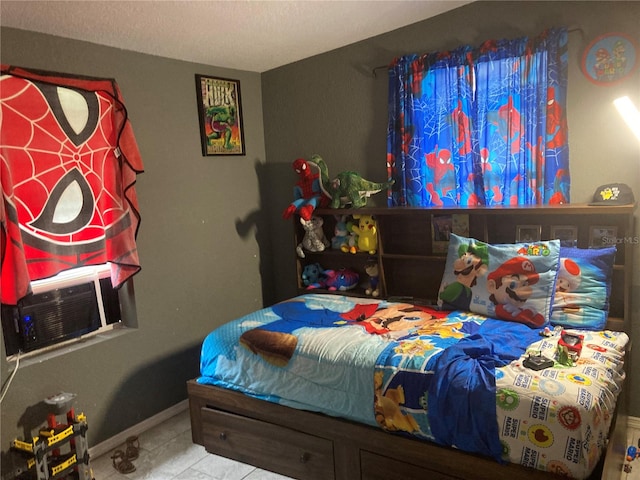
(133, 447)
(121, 463)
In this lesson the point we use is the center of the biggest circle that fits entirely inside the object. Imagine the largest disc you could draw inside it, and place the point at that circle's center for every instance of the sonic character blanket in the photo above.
(401, 367)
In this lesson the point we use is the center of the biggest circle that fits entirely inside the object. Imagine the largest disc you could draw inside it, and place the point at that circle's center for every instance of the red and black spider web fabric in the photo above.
(69, 161)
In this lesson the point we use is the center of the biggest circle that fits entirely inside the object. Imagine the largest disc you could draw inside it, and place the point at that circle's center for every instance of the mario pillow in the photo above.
(583, 287)
(513, 282)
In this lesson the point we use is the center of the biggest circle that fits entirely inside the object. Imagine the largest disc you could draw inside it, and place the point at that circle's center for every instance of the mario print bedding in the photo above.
(398, 366)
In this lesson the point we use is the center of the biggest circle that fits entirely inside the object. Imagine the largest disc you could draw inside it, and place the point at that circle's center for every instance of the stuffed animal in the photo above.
(345, 239)
(367, 230)
(347, 188)
(352, 240)
(314, 239)
(341, 233)
(307, 193)
(342, 279)
(350, 189)
(372, 270)
(313, 276)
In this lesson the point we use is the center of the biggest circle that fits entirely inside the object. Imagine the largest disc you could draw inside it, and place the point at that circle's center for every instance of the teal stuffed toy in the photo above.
(313, 276)
(341, 233)
(345, 238)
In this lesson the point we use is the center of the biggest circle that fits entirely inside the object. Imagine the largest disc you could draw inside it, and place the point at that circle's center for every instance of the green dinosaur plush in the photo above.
(347, 188)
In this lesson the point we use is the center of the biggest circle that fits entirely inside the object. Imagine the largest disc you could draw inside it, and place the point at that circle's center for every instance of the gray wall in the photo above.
(212, 227)
(332, 105)
(197, 241)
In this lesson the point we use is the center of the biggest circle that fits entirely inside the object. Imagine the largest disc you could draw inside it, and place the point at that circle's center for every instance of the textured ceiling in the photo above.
(247, 35)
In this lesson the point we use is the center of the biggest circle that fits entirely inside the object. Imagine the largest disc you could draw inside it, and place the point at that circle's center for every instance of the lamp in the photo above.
(629, 113)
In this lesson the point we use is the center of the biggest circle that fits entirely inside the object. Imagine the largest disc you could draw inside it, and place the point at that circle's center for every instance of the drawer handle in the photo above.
(223, 436)
(304, 458)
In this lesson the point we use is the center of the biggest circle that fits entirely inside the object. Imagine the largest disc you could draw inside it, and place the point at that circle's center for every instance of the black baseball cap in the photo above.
(613, 194)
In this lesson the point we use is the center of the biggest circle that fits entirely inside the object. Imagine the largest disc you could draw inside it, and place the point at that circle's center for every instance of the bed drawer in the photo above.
(267, 446)
(378, 467)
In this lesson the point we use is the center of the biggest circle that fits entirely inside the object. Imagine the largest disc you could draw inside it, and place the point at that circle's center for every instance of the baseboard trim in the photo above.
(633, 422)
(120, 439)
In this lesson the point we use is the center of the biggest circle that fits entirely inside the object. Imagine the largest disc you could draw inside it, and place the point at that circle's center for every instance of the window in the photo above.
(69, 212)
(480, 126)
(68, 306)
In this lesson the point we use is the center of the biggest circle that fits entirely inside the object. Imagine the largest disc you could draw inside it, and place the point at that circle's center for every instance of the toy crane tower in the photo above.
(60, 450)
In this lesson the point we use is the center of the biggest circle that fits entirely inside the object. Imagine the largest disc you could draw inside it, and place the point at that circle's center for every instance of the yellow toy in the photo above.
(367, 230)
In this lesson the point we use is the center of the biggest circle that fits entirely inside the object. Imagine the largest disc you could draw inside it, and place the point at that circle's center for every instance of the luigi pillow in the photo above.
(513, 282)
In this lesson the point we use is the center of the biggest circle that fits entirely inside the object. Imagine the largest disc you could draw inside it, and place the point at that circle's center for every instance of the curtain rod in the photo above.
(380, 67)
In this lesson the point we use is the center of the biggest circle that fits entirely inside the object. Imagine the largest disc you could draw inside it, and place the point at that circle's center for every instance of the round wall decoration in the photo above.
(610, 58)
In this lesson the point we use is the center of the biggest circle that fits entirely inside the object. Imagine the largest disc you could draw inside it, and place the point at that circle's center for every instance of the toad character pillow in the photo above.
(583, 288)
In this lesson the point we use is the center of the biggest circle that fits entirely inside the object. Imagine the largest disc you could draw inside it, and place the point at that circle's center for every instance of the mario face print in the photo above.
(514, 289)
(510, 286)
(398, 320)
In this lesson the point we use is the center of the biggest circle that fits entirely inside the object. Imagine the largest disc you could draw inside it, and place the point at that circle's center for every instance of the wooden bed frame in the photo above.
(313, 446)
(307, 445)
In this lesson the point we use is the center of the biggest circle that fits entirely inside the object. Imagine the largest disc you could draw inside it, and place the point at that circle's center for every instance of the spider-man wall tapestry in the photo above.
(69, 161)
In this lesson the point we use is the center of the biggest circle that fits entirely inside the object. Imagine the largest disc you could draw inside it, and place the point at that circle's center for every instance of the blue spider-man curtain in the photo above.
(480, 126)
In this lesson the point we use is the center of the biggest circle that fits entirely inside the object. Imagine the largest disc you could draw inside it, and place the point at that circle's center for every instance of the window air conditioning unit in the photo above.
(67, 306)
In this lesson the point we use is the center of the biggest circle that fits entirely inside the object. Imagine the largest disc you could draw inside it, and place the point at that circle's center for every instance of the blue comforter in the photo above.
(426, 374)
(395, 365)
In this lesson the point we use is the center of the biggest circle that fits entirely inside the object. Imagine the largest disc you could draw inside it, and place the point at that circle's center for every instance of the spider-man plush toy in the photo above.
(308, 194)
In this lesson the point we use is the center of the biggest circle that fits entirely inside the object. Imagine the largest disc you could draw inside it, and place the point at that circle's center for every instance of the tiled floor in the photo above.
(167, 453)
